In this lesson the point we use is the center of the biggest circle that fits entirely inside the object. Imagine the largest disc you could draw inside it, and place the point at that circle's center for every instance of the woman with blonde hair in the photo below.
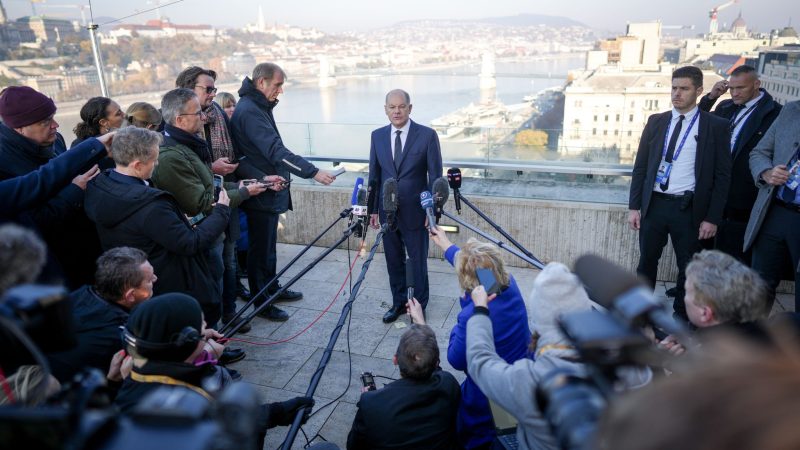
(509, 317)
(228, 103)
(143, 115)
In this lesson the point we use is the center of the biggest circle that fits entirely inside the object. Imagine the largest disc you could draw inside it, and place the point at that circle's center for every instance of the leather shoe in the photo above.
(231, 355)
(227, 318)
(393, 313)
(243, 293)
(274, 313)
(671, 292)
(289, 296)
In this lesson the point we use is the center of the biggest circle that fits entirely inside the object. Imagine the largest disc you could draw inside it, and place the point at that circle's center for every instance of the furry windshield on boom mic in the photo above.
(441, 192)
(604, 280)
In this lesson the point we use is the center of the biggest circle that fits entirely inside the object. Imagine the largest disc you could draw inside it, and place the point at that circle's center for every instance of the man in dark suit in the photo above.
(409, 153)
(417, 411)
(680, 180)
(750, 111)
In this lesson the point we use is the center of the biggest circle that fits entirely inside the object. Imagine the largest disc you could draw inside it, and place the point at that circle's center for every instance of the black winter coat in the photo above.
(256, 136)
(134, 215)
(62, 223)
(96, 323)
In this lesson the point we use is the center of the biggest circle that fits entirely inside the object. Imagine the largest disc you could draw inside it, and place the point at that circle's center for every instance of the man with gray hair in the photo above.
(22, 256)
(409, 153)
(256, 135)
(185, 171)
(129, 212)
(124, 279)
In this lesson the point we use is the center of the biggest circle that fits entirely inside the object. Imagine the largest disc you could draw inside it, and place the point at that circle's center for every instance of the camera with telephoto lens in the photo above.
(37, 318)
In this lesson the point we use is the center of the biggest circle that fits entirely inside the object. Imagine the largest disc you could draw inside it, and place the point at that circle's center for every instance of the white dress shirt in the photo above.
(682, 179)
(747, 112)
(403, 136)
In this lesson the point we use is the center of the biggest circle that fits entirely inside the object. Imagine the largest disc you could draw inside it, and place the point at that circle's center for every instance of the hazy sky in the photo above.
(338, 15)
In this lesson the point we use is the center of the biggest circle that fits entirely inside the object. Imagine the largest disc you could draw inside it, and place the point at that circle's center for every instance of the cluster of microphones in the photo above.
(364, 200)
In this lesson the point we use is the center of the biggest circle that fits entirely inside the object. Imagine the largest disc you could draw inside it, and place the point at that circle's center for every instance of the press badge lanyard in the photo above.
(666, 167)
(736, 122)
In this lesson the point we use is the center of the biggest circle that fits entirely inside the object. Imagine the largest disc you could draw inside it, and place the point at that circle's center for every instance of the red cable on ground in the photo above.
(6, 387)
(282, 341)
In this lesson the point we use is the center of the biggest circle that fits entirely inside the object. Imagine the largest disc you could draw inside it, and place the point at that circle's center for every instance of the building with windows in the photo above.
(779, 70)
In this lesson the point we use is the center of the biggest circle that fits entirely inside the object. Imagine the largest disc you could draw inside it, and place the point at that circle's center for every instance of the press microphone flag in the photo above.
(441, 193)
(354, 197)
(390, 201)
(454, 179)
(426, 202)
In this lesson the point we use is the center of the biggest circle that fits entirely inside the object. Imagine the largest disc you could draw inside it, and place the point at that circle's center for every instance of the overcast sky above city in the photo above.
(339, 15)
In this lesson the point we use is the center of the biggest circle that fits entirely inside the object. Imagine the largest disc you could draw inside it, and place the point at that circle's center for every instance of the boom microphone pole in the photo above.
(326, 355)
(345, 235)
(454, 180)
(530, 260)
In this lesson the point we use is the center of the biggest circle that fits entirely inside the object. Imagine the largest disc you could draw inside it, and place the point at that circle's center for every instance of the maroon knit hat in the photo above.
(22, 105)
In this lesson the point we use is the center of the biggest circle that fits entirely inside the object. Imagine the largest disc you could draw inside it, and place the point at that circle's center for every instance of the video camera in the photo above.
(36, 318)
(612, 346)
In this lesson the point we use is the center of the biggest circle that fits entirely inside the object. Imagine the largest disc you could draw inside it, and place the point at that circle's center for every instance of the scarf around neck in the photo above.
(196, 144)
(220, 138)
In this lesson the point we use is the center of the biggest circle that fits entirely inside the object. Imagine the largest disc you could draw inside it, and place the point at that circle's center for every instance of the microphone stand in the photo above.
(457, 195)
(326, 355)
(529, 259)
(229, 331)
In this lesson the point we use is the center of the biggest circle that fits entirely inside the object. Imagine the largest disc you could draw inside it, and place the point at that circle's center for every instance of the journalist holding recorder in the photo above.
(475, 426)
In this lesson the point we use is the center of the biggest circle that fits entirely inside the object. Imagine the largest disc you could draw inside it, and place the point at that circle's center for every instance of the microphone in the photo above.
(372, 198)
(440, 195)
(360, 212)
(409, 278)
(454, 179)
(354, 196)
(390, 201)
(619, 290)
(426, 201)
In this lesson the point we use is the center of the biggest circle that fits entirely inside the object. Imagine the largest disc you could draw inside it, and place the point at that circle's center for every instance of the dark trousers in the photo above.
(778, 238)
(730, 235)
(262, 258)
(229, 281)
(216, 269)
(414, 243)
(664, 219)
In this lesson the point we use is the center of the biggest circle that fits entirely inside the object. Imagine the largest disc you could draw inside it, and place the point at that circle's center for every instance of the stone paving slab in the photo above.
(284, 370)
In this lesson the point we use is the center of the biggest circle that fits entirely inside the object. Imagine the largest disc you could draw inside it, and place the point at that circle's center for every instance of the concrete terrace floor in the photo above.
(284, 370)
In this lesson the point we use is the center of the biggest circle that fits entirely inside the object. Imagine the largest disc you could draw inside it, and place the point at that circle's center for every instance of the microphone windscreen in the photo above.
(390, 195)
(604, 280)
(372, 195)
(454, 177)
(425, 200)
(359, 183)
(441, 191)
(361, 197)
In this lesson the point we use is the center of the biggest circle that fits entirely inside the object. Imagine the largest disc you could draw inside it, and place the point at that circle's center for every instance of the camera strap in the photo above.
(163, 379)
(550, 347)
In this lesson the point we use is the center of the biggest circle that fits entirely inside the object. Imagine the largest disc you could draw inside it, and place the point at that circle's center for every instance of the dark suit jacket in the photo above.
(420, 165)
(712, 167)
(743, 192)
(408, 414)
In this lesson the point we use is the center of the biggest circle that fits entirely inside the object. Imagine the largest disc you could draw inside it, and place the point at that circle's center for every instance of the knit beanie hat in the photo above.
(21, 106)
(556, 291)
(162, 320)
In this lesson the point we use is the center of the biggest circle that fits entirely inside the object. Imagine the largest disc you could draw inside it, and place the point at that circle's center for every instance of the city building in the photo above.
(45, 29)
(737, 41)
(640, 47)
(162, 28)
(779, 69)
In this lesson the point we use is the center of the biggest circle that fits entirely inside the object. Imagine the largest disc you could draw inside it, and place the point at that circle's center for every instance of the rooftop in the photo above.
(283, 371)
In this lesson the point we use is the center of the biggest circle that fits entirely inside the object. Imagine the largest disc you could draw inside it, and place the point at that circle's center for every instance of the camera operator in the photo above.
(165, 337)
(722, 292)
(124, 279)
(555, 291)
(509, 318)
(417, 411)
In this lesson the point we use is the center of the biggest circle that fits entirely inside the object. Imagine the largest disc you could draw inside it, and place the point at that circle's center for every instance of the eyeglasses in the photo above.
(209, 89)
(198, 113)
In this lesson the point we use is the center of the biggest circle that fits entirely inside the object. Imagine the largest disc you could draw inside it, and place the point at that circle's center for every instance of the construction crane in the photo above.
(713, 26)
